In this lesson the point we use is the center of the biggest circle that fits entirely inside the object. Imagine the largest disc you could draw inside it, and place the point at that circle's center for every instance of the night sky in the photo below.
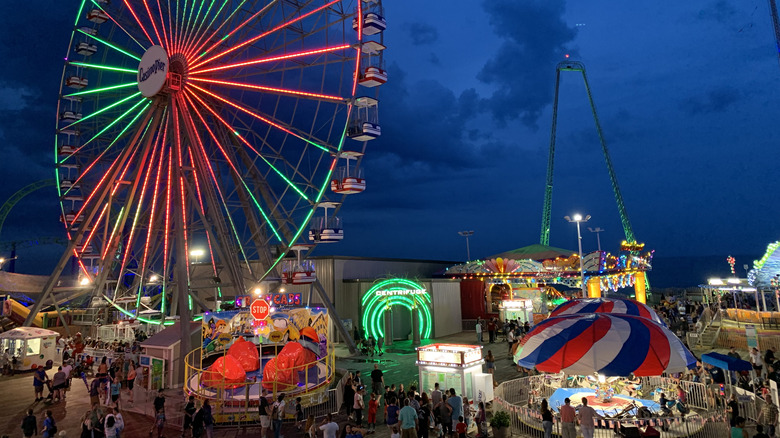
(686, 91)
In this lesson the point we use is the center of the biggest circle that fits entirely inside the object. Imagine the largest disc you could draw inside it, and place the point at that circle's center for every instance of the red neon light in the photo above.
(200, 202)
(231, 128)
(272, 59)
(189, 48)
(271, 89)
(252, 40)
(181, 192)
(275, 125)
(137, 20)
(154, 26)
(162, 25)
(154, 197)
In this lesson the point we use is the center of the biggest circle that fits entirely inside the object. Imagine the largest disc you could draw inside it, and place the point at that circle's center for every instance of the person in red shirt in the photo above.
(492, 330)
(373, 406)
(461, 427)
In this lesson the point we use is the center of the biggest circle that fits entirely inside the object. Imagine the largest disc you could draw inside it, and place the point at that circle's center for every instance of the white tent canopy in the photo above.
(27, 333)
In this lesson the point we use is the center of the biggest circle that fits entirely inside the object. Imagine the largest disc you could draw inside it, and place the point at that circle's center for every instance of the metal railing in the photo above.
(233, 402)
(521, 397)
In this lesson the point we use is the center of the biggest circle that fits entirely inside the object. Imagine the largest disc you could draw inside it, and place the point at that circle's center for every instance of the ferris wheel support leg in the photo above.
(62, 318)
(334, 316)
(182, 270)
(57, 272)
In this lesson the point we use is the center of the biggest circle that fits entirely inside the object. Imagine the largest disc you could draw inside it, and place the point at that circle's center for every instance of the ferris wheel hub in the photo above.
(153, 71)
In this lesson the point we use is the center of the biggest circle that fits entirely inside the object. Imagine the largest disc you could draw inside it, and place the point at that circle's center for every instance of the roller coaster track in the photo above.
(16, 197)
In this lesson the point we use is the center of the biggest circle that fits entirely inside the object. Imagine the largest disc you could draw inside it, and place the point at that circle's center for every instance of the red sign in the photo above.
(285, 299)
(260, 309)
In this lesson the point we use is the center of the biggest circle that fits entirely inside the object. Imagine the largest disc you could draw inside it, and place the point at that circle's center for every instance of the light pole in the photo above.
(577, 218)
(597, 230)
(467, 234)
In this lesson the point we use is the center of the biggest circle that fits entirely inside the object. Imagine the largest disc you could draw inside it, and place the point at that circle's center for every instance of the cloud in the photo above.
(522, 70)
(421, 33)
(716, 100)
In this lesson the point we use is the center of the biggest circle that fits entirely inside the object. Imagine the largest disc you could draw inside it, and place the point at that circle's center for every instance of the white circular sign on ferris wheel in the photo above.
(152, 71)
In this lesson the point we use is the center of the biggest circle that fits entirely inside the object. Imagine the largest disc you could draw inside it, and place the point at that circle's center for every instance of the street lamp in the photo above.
(467, 234)
(577, 218)
(197, 253)
(597, 230)
(3, 260)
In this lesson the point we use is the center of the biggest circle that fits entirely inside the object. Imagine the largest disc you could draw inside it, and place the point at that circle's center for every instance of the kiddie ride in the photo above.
(301, 367)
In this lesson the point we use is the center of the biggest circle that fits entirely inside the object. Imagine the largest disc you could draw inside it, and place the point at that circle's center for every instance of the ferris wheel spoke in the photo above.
(163, 27)
(160, 41)
(101, 111)
(191, 23)
(277, 125)
(272, 90)
(116, 22)
(151, 229)
(107, 127)
(196, 45)
(138, 21)
(233, 166)
(232, 129)
(273, 59)
(103, 67)
(258, 37)
(103, 89)
(199, 36)
(113, 46)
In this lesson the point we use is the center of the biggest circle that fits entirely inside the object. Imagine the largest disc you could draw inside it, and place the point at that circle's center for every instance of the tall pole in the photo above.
(598, 231)
(577, 218)
(467, 234)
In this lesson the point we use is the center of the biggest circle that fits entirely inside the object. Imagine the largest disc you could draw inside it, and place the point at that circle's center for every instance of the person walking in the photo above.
(377, 380)
(208, 419)
(189, 413)
(490, 362)
(49, 426)
(568, 420)
(265, 413)
(358, 405)
(29, 424)
(587, 416)
(547, 418)
(409, 420)
(277, 415)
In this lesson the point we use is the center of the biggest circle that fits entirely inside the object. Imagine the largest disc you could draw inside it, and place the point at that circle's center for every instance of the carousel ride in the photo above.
(195, 146)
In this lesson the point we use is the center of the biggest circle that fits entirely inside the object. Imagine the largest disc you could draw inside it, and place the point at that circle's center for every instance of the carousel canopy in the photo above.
(622, 306)
(534, 252)
(726, 362)
(608, 344)
(27, 333)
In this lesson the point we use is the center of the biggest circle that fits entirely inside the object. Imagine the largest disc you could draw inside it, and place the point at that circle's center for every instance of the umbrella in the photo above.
(604, 343)
(623, 306)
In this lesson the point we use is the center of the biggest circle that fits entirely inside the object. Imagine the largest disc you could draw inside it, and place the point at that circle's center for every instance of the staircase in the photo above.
(707, 338)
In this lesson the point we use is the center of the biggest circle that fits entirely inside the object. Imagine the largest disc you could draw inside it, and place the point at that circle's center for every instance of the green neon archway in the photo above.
(374, 306)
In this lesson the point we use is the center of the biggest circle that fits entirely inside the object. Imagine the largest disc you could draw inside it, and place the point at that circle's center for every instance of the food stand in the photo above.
(31, 346)
(454, 366)
(519, 309)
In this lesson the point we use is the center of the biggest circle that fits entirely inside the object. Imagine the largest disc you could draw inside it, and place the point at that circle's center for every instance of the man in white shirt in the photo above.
(587, 415)
(436, 395)
(478, 329)
(329, 428)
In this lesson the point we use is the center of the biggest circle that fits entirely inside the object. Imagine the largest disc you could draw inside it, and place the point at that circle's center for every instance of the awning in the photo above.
(726, 362)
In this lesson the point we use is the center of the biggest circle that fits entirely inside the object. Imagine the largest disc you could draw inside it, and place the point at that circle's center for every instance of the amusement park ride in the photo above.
(223, 125)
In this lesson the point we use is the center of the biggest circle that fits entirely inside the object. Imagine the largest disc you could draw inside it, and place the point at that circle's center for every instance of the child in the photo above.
(373, 406)
(159, 422)
(395, 433)
(298, 413)
(461, 427)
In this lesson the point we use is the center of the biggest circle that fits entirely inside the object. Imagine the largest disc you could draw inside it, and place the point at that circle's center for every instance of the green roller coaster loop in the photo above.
(16, 197)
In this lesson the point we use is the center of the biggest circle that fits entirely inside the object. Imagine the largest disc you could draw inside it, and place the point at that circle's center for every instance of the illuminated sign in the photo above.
(517, 304)
(449, 354)
(392, 292)
(284, 299)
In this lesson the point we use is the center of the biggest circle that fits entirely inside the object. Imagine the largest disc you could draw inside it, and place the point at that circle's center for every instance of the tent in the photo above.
(534, 252)
(726, 362)
(32, 346)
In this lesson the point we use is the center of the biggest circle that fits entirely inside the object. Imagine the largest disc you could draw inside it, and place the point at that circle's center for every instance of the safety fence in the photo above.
(521, 398)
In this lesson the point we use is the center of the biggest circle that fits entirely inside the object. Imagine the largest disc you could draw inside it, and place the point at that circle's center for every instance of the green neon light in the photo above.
(78, 15)
(94, 2)
(111, 45)
(770, 249)
(104, 109)
(374, 306)
(100, 90)
(104, 67)
(112, 124)
(146, 320)
(227, 20)
(290, 183)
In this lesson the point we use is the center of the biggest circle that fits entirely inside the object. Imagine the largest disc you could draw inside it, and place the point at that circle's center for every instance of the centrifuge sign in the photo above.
(152, 71)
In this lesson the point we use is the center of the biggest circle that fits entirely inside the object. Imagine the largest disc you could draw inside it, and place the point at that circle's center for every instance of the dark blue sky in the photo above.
(687, 95)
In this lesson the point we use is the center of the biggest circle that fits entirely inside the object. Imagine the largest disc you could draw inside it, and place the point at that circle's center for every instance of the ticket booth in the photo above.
(454, 366)
(520, 310)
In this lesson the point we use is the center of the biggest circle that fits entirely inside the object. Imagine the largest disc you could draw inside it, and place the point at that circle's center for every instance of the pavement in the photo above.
(16, 394)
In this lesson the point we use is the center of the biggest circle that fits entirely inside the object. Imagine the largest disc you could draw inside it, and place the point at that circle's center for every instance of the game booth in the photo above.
(281, 347)
(616, 354)
(31, 346)
(455, 366)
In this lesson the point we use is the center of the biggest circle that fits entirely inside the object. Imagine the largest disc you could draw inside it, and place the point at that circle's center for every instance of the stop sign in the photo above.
(259, 309)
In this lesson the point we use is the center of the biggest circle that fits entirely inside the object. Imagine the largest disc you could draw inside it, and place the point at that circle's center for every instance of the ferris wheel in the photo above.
(221, 124)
